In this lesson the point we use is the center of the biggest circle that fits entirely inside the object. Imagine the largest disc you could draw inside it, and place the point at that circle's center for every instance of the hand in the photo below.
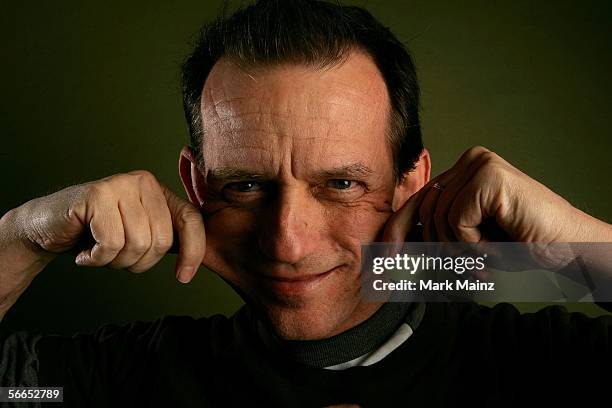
(484, 198)
(130, 220)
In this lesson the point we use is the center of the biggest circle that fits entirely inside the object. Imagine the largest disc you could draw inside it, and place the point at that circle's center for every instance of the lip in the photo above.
(296, 285)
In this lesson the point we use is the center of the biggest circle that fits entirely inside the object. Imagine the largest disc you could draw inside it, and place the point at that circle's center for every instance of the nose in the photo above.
(290, 227)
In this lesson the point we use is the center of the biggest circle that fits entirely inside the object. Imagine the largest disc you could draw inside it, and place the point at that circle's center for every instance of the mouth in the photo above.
(287, 286)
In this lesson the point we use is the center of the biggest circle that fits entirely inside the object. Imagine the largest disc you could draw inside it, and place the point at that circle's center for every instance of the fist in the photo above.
(123, 221)
(484, 198)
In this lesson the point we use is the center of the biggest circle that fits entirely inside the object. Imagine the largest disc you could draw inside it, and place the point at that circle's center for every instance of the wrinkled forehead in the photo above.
(352, 86)
(246, 108)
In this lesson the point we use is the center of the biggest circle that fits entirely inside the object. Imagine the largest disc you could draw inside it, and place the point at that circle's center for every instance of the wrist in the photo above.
(588, 229)
(15, 243)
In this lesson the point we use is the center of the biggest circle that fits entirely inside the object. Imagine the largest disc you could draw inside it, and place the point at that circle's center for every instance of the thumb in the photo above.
(188, 225)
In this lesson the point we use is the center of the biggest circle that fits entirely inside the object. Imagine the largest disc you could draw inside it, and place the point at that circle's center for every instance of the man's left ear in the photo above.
(412, 181)
(193, 180)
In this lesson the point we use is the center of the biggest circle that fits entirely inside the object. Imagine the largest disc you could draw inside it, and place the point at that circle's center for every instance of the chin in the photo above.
(309, 312)
(305, 323)
(314, 317)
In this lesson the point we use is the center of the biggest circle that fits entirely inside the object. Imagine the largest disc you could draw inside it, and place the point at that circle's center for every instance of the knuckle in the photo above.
(189, 215)
(162, 244)
(99, 190)
(453, 218)
(141, 173)
(144, 176)
(114, 245)
(494, 169)
(489, 157)
(117, 179)
(127, 181)
(138, 246)
(477, 150)
(490, 165)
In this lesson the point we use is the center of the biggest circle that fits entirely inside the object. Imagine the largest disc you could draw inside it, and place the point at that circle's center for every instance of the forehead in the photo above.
(317, 116)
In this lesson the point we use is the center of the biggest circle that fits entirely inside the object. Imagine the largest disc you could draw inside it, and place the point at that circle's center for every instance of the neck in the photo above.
(356, 340)
(362, 312)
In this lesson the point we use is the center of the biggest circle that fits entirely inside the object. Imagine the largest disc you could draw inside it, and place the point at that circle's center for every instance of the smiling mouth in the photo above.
(298, 285)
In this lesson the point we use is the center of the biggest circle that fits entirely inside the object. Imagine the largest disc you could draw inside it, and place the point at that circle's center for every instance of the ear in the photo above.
(193, 180)
(412, 181)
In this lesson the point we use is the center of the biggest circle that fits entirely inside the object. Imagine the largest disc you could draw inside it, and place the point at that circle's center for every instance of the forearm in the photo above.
(592, 251)
(20, 261)
(592, 229)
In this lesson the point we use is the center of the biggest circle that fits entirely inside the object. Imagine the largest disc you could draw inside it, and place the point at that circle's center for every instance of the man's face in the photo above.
(298, 174)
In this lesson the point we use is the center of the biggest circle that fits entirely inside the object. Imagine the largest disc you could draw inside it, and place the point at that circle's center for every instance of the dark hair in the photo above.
(312, 32)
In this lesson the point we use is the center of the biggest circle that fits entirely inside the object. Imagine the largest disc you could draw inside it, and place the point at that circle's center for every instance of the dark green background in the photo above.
(91, 88)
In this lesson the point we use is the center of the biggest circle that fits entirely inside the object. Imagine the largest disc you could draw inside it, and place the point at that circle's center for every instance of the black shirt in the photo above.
(461, 354)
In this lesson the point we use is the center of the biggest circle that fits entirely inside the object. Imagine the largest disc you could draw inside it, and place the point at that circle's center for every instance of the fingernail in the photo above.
(184, 274)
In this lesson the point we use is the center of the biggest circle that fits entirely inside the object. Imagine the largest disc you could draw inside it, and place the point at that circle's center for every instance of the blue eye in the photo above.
(340, 184)
(244, 186)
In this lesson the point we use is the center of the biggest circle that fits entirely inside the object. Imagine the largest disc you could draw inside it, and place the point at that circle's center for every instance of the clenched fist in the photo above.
(484, 198)
(123, 221)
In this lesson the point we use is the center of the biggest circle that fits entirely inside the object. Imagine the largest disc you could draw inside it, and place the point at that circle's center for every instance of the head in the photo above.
(305, 137)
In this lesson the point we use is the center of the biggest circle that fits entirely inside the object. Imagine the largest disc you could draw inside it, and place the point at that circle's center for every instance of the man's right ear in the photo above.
(193, 180)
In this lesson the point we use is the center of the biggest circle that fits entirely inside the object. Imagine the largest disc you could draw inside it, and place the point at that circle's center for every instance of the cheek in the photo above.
(359, 223)
(228, 239)
(227, 223)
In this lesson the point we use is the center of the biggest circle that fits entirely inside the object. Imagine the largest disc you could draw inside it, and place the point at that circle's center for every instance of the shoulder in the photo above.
(550, 327)
(112, 353)
(149, 335)
(127, 344)
(520, 356)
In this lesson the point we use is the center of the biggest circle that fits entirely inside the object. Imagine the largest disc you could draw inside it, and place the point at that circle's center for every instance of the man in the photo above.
(305, 144)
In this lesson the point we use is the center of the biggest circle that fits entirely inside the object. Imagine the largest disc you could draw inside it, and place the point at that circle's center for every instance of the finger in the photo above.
(447, 196)
(137, 233)
(466, 215)
(432, 191)
(434, 218)
(106, 230)
(470, 154)
(189, 226)
(160, 225)
(403, 220)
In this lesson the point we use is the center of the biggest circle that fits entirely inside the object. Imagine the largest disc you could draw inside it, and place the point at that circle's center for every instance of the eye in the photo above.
(243, 192)
(243, 186)
(342, 190)
(339, 184)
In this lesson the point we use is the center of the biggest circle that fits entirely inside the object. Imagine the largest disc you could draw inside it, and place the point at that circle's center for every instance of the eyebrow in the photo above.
(350, 171)
(229, 173)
